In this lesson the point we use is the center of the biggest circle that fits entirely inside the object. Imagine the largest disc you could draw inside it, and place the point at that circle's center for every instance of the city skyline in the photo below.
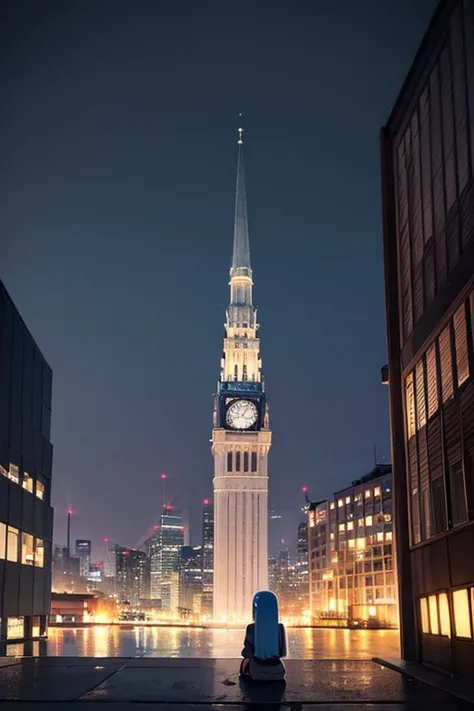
(109, 242)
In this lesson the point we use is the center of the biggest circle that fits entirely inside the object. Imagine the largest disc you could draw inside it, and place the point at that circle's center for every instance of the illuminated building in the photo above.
(428, 207)
(132, 575)
(26, 517)
(165, 544)
(352, 576)
(207, 557)
(83, 552)
(301, 566)
(284, 582)
(241, 440)
(66, 571)
(109, 558)
(190, 569)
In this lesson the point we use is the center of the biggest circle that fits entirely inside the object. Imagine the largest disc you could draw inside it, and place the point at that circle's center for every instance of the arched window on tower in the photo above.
(246, 461)
(229, 461)
(236, 372)
(237, 461)
(244, 372)
(254, 461)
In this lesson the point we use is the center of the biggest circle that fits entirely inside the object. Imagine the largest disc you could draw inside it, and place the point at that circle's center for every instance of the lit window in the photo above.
(39, 553)
(350, 525)
(331, 504)
(342, 526)
(462, 622)
(444, 615)
(360, 544)
(432, 380)
(3, 471)
(14, 473)
(410, 406)
(351, 543)
(40, 490)
(446, 364)
(12, 544)
(460, 340)
(27, 550)
(358, 497)
(388, 536)
(387, 518)
(379, 536)
(367, 493)
(348, 499)
(377, 491)
(3, 540)
(425, 618)
(420, 394)
(340, 502)
(433, 614)
(15, 627)
(27, 482)
(369, 520)
(331, 536)
(360, 522)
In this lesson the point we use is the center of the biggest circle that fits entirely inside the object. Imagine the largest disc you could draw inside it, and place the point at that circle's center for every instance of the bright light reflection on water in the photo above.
(185, 642)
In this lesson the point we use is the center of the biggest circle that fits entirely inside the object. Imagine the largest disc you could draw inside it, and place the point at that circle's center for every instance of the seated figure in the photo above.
(265, 641)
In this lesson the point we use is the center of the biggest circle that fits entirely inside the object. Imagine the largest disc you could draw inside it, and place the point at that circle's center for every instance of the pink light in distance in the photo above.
(163, 476)
(206, 501)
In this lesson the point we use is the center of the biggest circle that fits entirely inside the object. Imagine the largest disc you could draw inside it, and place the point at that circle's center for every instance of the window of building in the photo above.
(254, 461)
(446, 364)
(229, 461)
(27, 549)
(425, 618)
(360, 543)
(15, 627)
(462, 617)
(377, 492)
(350, 525)
(39, 553)
(438, 505)
(410, 406)
(36, 627)
(433, 608)
(246, 461)
(379, 536)
(3, 540)
(237, 461)
(244, 372)
(360, 522)
(28, 482)
(12, 544)
(340, 503)
(460, 342)
(39, 489)
(331, 505)
(348, 499)
(342, 526)
(14, 473)
(445, 623)
(432, 380)
(420, 394)
(368, 493)
(351, 543)
(369, 520)
(236, 372)
(388, 535)
(458, 493)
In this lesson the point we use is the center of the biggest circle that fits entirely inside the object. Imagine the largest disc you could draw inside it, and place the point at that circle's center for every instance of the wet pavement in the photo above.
(205, 684)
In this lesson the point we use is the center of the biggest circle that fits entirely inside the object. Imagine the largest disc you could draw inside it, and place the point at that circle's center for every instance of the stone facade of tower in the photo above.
(241, 441)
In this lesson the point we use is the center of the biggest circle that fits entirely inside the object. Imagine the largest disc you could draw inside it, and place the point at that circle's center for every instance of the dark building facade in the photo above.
(132, 582)
(26, 517)
(83, 552)
(428, 211)
(190, 580)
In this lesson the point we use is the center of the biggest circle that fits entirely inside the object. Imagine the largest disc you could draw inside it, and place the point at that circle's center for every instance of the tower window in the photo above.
(229, 461)
(236, 372)
(237, 461)
(254, 461)
(246, 461)
(244, 373)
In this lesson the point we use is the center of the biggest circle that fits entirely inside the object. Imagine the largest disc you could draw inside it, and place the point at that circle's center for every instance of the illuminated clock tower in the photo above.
(241, 440)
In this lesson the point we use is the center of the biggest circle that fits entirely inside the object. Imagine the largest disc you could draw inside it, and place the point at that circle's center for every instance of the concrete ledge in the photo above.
(450, 685)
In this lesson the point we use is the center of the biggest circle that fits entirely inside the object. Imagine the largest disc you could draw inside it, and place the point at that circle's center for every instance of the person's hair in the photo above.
(265, 614)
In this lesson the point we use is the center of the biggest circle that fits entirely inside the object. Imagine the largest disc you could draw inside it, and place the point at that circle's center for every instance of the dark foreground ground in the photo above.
(88, 684)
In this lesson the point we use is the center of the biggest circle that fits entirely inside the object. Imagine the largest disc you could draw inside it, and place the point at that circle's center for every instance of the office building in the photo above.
(301, 565)
(165, 545)
(428, 220)
(352, 573)
(190, 567)
(83, 552)
(241, 440)
(207, 558)
(26, 516)
(132, 582)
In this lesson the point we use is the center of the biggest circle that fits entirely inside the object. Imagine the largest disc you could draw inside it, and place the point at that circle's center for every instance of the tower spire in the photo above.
(241, 253)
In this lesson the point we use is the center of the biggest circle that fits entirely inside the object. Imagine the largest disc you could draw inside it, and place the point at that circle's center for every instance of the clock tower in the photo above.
(241, 440)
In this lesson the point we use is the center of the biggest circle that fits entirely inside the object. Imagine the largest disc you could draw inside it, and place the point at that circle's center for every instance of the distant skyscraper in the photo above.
(241, 440)
(132, 575)
(190, 579)
(165, 544)
(83, 552)
(207, 557)
(109, 558)
(302, 567)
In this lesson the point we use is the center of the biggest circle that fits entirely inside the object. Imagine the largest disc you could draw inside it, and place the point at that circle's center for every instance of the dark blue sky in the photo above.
(117, 177)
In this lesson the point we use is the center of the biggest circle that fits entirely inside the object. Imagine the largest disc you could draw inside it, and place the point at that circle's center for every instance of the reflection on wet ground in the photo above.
(178, 642)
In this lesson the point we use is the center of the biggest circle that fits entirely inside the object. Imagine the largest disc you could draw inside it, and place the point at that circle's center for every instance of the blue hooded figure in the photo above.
(265, 641)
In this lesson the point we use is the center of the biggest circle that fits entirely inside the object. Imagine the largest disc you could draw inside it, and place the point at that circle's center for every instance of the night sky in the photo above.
(118, 143)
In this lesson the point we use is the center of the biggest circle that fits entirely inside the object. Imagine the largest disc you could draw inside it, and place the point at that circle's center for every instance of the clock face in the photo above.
(241, 415)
